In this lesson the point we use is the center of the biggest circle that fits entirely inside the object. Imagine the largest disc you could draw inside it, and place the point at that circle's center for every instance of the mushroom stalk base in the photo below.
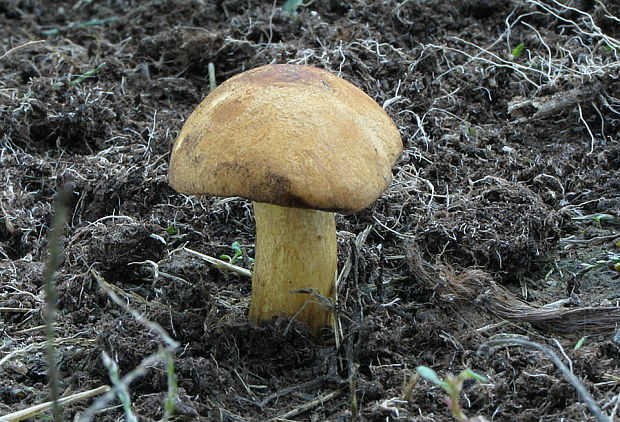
(295, 250)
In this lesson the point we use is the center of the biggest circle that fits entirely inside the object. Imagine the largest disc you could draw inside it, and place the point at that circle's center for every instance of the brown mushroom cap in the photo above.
(294, 136)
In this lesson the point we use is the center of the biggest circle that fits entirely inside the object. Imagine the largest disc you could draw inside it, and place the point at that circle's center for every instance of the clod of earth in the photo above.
(302, 144)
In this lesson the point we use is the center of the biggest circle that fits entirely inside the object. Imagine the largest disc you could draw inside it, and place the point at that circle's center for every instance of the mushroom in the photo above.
(302, 144)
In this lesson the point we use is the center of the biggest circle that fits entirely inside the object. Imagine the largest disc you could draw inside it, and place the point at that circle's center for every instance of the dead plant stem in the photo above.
(51, 295)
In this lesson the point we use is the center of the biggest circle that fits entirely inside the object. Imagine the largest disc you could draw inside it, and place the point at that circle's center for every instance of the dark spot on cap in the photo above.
(228, 110)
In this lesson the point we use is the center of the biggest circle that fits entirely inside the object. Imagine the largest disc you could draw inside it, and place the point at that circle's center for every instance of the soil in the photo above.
(503, 217)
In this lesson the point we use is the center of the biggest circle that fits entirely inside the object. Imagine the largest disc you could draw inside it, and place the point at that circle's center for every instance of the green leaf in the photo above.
(291, 6)
(516, 52)
(88, 74)
(469, 374)
(596, 217)
(54, 31)
(580, 343)
(430, 375)
(600, 217)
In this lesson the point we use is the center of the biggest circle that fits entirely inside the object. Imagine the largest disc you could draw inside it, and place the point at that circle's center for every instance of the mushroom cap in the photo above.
(289, 135)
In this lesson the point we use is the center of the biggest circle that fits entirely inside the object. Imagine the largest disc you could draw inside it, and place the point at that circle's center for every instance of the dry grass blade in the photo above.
(307, 406)
(44, 407)
(128, 295)
(15, 310)
(26, 44)
(58, 342)
(476, 285)
(593, 320)
(219, 263)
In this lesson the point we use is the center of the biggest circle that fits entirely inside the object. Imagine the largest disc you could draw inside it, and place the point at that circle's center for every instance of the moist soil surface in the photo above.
(502, 218)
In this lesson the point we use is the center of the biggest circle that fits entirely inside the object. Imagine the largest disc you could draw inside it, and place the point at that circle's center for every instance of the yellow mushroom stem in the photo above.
(295, 250)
